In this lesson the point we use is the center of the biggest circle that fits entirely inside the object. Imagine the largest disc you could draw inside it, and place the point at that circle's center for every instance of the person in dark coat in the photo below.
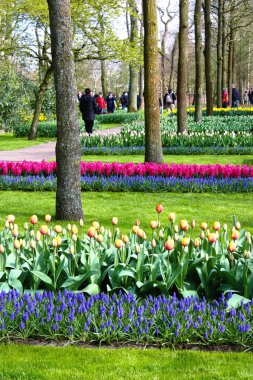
(88, 106)
(110, 101)
(235, 97)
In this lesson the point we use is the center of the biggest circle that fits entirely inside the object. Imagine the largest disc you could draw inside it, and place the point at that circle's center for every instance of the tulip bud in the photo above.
(11, 226)
(235, 234)
(137, 248)
(193, 224)
(2, 248)
(196, 243)
(91, 232)
(69, 227)
(74, 229)
(137, 222)
(109, 234)
(172, 216)
(57, 241)
(203, 226)
(202, 235)
(161, 234)
(232, 246)
(81, 222)
(238, 225)
(140, 233)
(117, 231)
(32, 233)
(38, 237)
(225, 227)
(159, 208)
(169, 244)
(102, 230)
(32, 244)
(15, 226)
(115, 221)
(153, 243)
(17, 244)
(74, 237)
(10, 218)
(248, 237)
(7, 224)
(176, 228)
(153, 224)
(184, 225)
(212, 238)
(118, 243)
(48, 218)
(23, 243)
(34, 219)
(231, 257)
(125, 239)
(95, 225)
(58, 229)
(135, 229)
(185, 241)
(44, 229)
(100, 239)
(246, 255)
(216, 226)
(14, 233)
(26, 226)
(176, 237)
(206, 257)
(72, 249)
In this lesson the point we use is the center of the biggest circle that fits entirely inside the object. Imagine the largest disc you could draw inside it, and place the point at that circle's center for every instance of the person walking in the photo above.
(110, 101)
(235, 97)
(225, 98)
(250, 95)
(124, 100)
(169, 100)
(101, 103)
(88, 106)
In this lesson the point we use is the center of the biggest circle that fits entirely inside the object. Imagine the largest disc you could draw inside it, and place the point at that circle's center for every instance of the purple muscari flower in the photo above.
(126, 329)
(22, 325)
(222, 328)
(233, 312)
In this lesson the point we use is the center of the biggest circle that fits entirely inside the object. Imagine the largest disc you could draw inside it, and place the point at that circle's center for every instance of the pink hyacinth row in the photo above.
(130, 169)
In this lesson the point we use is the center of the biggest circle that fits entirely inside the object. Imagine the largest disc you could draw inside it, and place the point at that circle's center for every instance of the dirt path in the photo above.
(43, 151)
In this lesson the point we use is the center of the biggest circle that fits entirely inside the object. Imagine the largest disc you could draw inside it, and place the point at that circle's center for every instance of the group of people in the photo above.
(91, 104)
(235, 97)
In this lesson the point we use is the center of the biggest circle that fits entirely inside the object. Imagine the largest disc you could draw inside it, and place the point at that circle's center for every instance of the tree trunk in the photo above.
(208, 59)
(103, 78)
(224, 46)
(68, 147)
(38, 103)
(219, 55)
(153, 143)
(182, 74)
(141, 84)
(133, 67)
(172, 66)
(199, 62)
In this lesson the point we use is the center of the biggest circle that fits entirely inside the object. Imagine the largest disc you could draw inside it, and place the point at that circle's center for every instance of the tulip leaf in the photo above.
(43, 277)
(91, 289)
(235, 301)
(75, 282)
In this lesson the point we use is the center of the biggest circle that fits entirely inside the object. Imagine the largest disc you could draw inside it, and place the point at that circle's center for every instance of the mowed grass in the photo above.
(8, 142)
(102, 127)
(21, 362)
(179, 159)
(129, 206)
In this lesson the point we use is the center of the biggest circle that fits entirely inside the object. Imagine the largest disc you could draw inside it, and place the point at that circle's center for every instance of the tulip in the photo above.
(137, 222)
(72, 250)
(7, 224)
(37, 237)
(57, 241)
(32, 244)
(17, 244)
(193, 224)
(102, 230)
(153, 224)
(246, 255)
(2, 248)
(203, 226)
(58, 229)
(23, 243)
(44, 229)
(185, 241)
(10, 218)
(169, 244)
(231, 257)
(212, 238)
(184, 225)
(91, 232)
(235, 234)
(15, 233)
(48, 218)
(118, 243)
(196, 243)
(100, 238)
(74, 237)
(32, 233)
(225, 227)
(95, 225)
(206, 257)
(26, 226)
(238, 225)
(81, 222)
(161, 234)
(135, 229)
(137, 248)
(69, 227)
(117, 231)
(172, 216)
(140, 233)
(176, 228)
(153, 243)
(109, 234)
(125, 239)
(232, 246)
(34, 219)
(74, 229)
(114, 220)
(216, 226)
(159, 208)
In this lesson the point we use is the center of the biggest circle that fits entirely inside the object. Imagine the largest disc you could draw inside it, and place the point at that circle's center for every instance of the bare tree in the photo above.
(68, 147)
(153, 143)
(199, 62)
(208, 58)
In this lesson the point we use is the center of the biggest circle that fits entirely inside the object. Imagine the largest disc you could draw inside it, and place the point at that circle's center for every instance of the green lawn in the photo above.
(129, 206)
(201, 159)
(109, 126)
(8, 142)
(21, 362)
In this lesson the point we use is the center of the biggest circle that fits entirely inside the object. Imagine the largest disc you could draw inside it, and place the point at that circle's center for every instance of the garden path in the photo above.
(42, 151)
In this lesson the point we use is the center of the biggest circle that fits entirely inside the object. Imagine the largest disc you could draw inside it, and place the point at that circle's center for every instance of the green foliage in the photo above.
(44, 129)
(119, 117)
(15, 95)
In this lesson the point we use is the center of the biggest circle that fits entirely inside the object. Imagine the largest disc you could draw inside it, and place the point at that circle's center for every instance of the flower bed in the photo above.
(161, 260)
(123, 318)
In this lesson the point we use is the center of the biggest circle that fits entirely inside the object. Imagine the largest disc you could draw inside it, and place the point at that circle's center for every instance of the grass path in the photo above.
(77, 363)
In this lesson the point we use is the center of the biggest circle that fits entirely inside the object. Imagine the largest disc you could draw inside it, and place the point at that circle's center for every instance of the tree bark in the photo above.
(182, 74)
(153, 143)
(224, 46)
(68, 147)
(38, 103)
(103, 78)
(173, 57)
(133, 67)
(230, 70)
(208, 58)
(199, 62)
(219, 55)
